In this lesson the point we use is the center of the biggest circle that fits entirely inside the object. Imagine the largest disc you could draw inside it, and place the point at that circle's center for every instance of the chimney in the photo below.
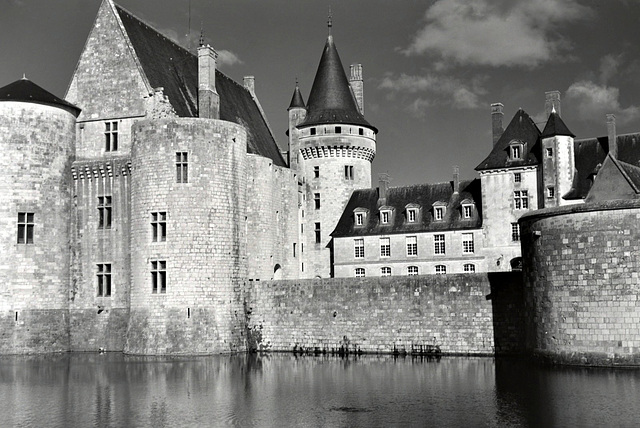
(552, 102)
(383, 188)
(250, 85)
(208, 99)
(357, 85)
(456, 179)
(496, 121)
(613, 140)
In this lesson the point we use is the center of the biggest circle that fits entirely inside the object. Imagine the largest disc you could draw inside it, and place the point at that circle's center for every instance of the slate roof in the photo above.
(26, 91)
(555, 126)
(423, 195)
(168, 65)
(590, 152)
(331, 99)
(521, 128)
(296, 99)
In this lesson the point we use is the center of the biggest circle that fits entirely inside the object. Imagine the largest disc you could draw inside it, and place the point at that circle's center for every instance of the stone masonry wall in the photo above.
(456, 312)
(581, 267)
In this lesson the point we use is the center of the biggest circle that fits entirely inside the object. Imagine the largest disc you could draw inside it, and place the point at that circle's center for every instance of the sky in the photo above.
(431, 68)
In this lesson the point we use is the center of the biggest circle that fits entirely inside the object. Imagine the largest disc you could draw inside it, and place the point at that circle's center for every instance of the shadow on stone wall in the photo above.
(507, 302)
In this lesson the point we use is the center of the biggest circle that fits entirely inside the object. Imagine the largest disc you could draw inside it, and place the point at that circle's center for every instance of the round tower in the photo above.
(37, 136)
(336, 146)
(188, 208)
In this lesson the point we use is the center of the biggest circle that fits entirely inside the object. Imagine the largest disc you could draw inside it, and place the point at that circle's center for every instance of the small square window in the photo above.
(551, 192)
(360, 131)
(517, 177)
(312, 131)
(549, 152)
(338, 129)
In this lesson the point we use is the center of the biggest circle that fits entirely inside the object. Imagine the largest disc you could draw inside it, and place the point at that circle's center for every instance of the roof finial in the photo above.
(24, 76)
(553, 109)
(330, 21)
(201, 43)
(296, 81)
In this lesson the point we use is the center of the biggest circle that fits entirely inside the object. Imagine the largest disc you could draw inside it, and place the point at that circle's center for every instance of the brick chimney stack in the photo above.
(552, 102)
(613, 140)
(357, 85)
(383, 187)
(497, 115)
(208, 98)
(456, 179)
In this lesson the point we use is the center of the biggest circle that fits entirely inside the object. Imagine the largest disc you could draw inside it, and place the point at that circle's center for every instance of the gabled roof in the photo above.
(296, 100)
(168, 65)
(590, 152)
(331, 100)
(615, 180)
(25, 90)
(555, 126)
(523, 129)
(424, 195)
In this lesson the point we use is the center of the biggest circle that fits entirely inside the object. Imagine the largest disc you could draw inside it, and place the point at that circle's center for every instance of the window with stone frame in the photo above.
(516, 151)
(467, 243)
(385, 216)
(385, 247)
(159, 226)
(549, 152)
(517, 177)
(104, 212)
(385, 271)
(360, 273)
(412, 246)
(111, 136)
(182, 167)
(104, 279)
(467, 211)
(521, 199)
(358, 247)
(412, 215)
(359, 219)
(348, 172)
(515, 232)
(438, 213)
(439, 244)
(441, 269)
(26, 224)
(469, 268)
(318, 233)
(158, 276)
(412, 270)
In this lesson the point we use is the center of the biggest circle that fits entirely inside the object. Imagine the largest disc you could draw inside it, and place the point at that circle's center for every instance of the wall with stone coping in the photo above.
(466, 313)
(581, 268)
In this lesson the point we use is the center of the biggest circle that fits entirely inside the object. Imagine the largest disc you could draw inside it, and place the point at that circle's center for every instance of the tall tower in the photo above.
(557, 160)
(335, 146)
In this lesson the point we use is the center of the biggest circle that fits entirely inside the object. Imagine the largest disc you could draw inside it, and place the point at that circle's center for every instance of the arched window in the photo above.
(385, 271)
(359, 272)
(412, 270)
(469, 267)
(441, 269)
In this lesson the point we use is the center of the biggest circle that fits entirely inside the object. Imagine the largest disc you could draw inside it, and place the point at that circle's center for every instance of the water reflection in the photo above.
(286, 390)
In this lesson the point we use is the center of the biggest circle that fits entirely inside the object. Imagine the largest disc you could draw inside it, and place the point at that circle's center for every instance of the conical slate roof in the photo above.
(555, 126)
(296, 101)
(331, 100)
(26, 91)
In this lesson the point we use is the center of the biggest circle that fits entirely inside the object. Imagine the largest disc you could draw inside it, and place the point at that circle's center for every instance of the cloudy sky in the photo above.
(431, 68)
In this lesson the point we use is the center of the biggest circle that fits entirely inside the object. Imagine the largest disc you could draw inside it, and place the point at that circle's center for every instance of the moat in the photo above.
(77, 390)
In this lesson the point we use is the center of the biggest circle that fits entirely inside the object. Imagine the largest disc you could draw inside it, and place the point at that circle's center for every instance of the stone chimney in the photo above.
(250, 85)
(613, 140)
(208, 98)
(383, 187)
(357, 85)
(497, 114)
(456, 179)
(552, 102)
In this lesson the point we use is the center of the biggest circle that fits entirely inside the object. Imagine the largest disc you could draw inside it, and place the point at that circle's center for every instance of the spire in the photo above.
(296, 101)
(555, 126)
(201, 42)
(330, 21)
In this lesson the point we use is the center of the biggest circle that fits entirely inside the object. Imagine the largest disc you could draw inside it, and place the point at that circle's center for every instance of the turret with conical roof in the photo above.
(557, 160)
(332, 146)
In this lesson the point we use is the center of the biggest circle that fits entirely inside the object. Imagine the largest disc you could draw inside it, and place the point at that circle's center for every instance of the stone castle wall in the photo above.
(38, 143)
(457, 312)
(581, 267)
(201, 310)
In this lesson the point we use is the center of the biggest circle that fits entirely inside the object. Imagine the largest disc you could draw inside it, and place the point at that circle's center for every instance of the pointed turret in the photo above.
(557, 159)
(555, 126)
(296, 101)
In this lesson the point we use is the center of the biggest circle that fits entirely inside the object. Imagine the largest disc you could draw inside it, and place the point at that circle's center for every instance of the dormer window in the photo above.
(467, 209)
(412, 214)
(385, 217)
(516, 149)
(439, 211)
(360, 217)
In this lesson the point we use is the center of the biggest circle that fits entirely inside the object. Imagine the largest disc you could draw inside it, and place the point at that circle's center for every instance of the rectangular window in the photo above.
(316, 200)
(317, 232)
(515, 232)
(412, 270)
(348, 172)
(467, 243)
(441, 269)
(467, 210)
(438, 213)
(551, 192)
(439, 244)
(158, 276)
(517, 177)
(384, 217)
(412, 245)
(104, 279)
(111, 136)
(316, 172)
(159, 226)
(549, 152)
(385, 247)
(360, 131)
(359, 272)
(358, 245)
(469, 268)
(521, 199)
(294, 249)
(385, 271)
(411, 215)
(359, 219)
(515, 152)
(25, 228)
(182, 167)
(312, 131)
(104, 211)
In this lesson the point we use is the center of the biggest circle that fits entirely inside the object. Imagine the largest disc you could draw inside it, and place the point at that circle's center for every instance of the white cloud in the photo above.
(496, 33)
(226, 57)
(593, 101)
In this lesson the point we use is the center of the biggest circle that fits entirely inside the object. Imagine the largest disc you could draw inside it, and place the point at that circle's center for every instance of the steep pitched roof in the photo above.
(590, 152)
(523, 129)
(175, 69)
(26, 91)
(423, 195)
(615, 180)
(296, 100)
(555, 126)
(331, 99)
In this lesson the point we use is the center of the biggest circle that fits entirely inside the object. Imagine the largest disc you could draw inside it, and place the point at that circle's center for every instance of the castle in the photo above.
(153, 200)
